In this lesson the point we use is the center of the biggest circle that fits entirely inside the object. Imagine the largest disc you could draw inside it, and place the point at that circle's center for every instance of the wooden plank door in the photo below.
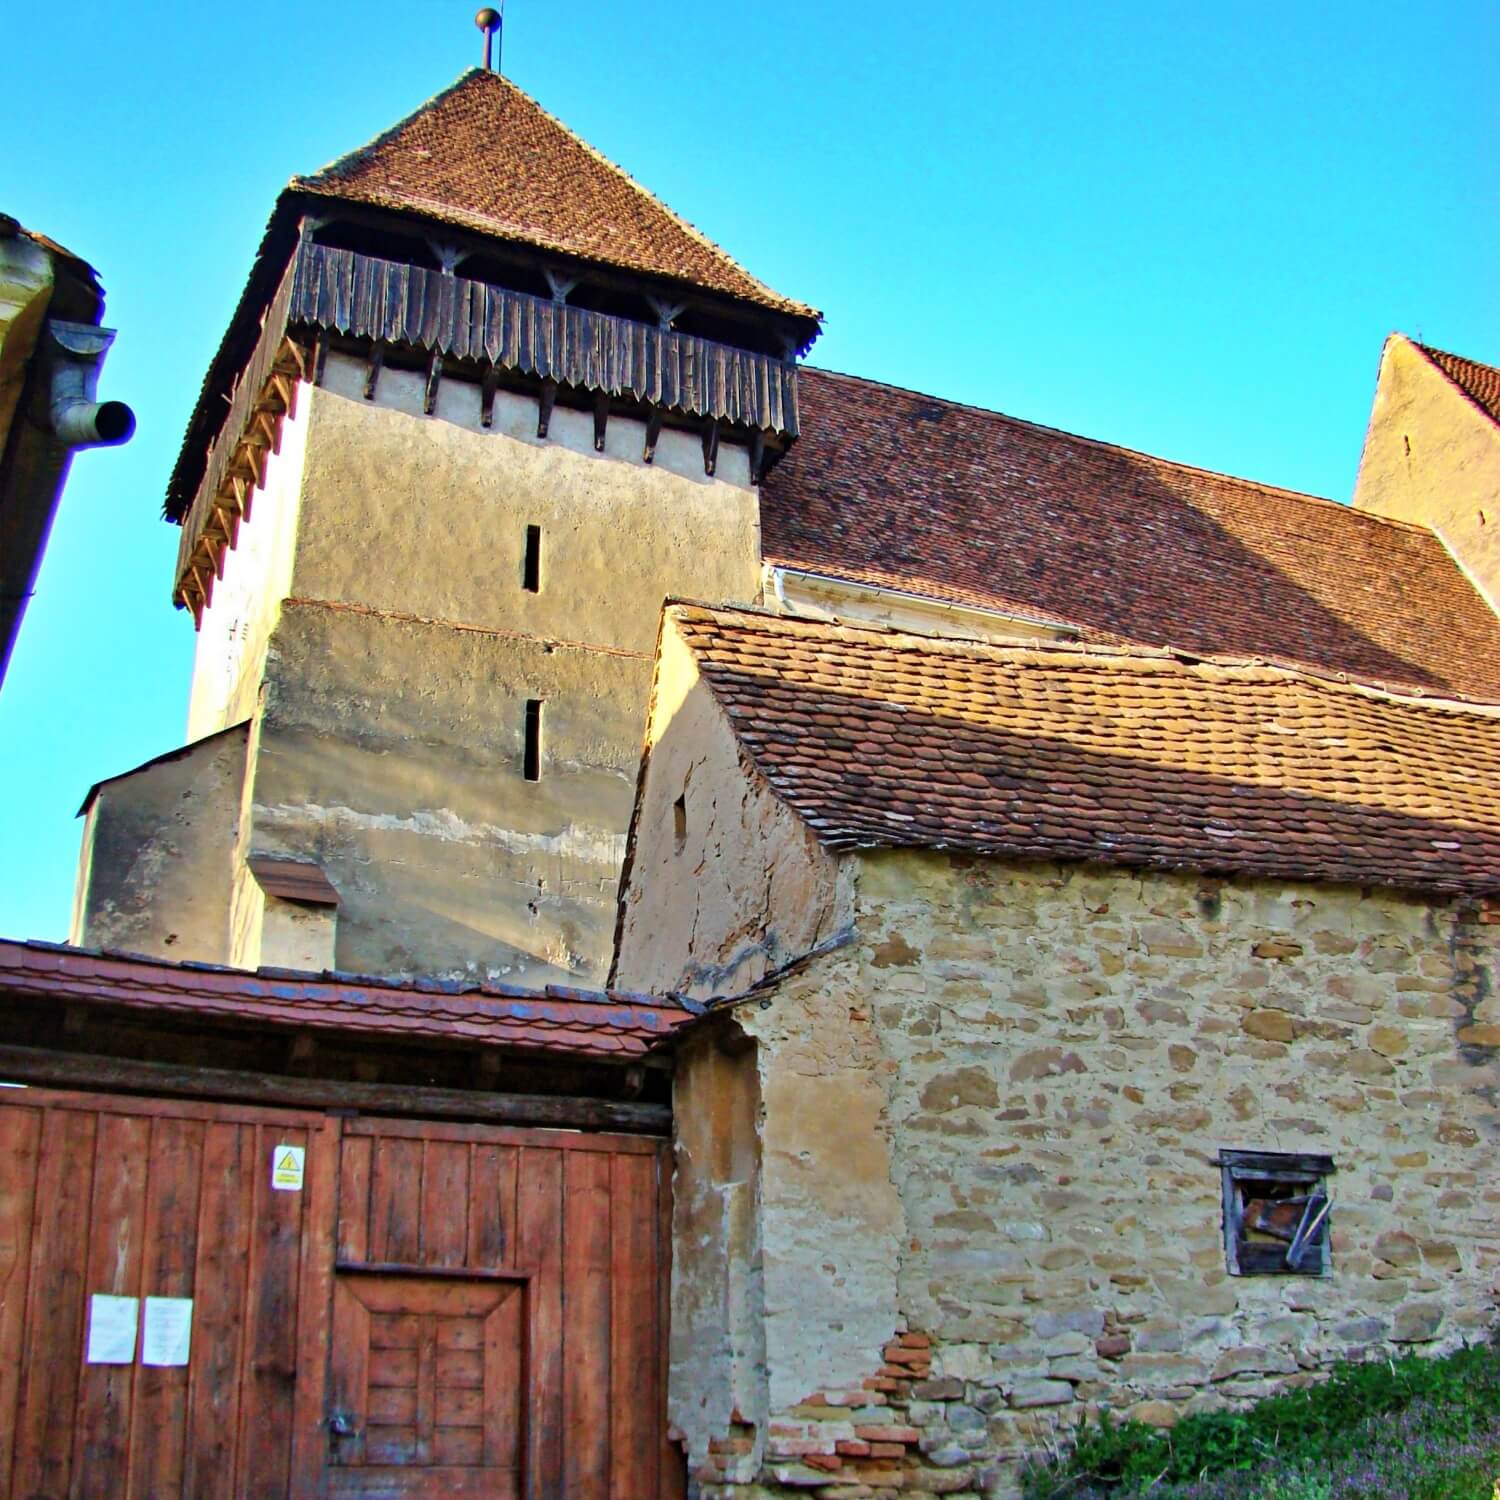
(142, 1198)
(499, 1315)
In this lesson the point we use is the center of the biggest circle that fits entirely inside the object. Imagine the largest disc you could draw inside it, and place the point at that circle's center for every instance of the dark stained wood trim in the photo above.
(434, 376)
(454, 1273)
(653, 434)
(545, 402)
(86, 1070)
(601, 419)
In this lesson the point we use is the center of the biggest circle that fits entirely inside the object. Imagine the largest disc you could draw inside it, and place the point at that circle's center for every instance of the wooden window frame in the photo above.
(1290, 1169)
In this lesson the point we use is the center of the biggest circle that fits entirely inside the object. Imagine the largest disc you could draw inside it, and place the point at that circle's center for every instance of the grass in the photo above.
(1406, 1429)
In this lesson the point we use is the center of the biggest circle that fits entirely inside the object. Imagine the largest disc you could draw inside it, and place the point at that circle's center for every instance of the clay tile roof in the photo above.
(487, 157)
(1120, 756)
(581, 1023)
(1480, 383)
(893, 488)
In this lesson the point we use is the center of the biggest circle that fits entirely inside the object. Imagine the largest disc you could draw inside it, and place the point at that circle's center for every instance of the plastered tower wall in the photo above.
(390, 743)
(1431, 457)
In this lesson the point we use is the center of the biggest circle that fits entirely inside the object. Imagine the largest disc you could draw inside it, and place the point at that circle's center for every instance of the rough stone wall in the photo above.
(1059, 1054)
(1432, 458)
(158, 845)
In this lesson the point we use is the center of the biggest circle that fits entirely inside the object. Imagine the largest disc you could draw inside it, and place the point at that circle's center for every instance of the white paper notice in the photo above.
(169, 1330)
(286, 1168)
(112, 1329)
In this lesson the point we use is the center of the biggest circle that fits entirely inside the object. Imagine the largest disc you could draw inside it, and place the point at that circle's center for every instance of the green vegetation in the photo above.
(1406, 1429)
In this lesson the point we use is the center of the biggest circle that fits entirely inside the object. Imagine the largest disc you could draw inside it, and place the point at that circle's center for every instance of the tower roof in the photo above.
(485, 156)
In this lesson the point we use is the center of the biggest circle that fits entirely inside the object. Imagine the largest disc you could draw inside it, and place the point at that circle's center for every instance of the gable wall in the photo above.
(730, 885)
(157, 852)
(1060, 1053)
(1431, 457)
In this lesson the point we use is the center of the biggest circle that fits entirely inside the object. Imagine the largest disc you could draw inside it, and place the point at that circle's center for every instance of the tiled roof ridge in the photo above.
(1489, 375)
(472, 74)
(302, 181)
(183, 970)
(1127, 656)
(1259, 485)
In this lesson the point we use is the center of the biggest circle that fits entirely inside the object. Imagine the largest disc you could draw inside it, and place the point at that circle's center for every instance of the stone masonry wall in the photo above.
(1063, 1052)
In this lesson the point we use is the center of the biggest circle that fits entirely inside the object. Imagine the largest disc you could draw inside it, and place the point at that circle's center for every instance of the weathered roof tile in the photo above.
(900, 490)
(578, 1022)
(487, 157)
(1127, 756)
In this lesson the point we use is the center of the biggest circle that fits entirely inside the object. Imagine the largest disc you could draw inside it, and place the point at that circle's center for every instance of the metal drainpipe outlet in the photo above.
(77, 350)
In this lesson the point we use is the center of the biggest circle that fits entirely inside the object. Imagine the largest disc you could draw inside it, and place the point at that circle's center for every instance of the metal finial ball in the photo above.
(487, 19)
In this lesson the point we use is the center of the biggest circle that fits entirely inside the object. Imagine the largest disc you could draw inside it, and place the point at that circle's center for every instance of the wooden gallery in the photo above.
(725, 929)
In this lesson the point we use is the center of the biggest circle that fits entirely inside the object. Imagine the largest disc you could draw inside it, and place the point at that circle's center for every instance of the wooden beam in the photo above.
(85, 1070)
(372, 371)
(561, 285)
(244, 493)
(666, 312)
(320, 357)
(488, 386)
(653, 433)
(544, 405)
(757, 455)
(601, 419)
(434, 378)
(710, 445)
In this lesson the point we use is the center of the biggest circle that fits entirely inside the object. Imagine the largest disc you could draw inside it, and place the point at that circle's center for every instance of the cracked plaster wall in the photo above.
(726, 883)
(158, 843)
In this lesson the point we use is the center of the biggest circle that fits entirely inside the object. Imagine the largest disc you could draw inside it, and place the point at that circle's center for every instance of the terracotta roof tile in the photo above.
(578, 1022)
(487, 157)
(901, 490)
(1131, 757)
(1480, 383)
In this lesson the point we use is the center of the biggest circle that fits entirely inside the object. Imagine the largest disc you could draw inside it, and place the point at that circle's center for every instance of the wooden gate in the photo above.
(420, 1309)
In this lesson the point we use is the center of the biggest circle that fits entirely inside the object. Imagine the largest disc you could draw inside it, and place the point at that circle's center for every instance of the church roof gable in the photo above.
(902, 490)
(1119, 756)
(1480, 383)
(484, 156)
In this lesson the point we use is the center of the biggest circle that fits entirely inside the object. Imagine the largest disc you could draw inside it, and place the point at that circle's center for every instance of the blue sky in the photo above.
(1184, 228)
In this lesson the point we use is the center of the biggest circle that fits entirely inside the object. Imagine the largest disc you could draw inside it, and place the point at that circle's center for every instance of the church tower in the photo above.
(484, 404)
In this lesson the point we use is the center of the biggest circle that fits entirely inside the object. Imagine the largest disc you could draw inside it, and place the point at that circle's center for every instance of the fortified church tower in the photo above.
(484, 404)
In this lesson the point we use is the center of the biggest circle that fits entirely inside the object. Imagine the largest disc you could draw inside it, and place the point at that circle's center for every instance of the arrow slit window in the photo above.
(1276, 1213)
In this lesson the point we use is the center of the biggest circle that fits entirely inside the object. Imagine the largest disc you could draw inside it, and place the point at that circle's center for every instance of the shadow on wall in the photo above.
(890, 486)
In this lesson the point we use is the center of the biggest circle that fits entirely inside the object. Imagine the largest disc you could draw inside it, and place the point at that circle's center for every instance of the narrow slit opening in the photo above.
(532, 755)
(679, 823)
(531, 566)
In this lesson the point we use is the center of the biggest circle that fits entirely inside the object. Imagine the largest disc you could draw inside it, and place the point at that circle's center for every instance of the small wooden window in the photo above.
(531, 563)
(1276, 1213)
(532, 750)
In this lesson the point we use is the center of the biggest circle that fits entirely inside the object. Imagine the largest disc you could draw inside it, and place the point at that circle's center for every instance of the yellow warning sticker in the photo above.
(286, 1168)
